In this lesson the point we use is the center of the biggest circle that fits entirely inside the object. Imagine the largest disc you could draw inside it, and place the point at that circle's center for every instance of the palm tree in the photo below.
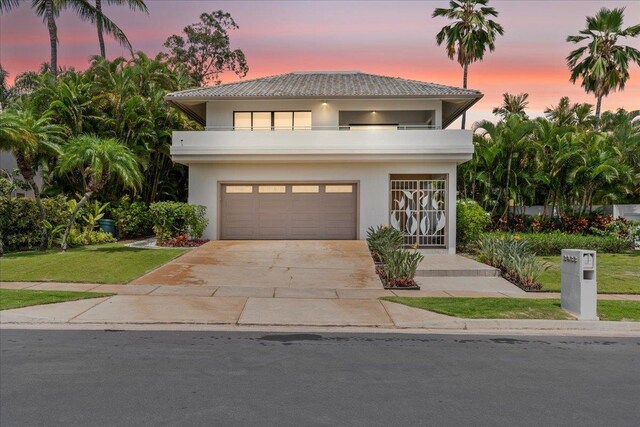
(29, 139)
(133, 5)
(471, 33)
(512, 104)
(49, 10)
(603, 64)
(567, 114)
(98, 161)
(510, 157)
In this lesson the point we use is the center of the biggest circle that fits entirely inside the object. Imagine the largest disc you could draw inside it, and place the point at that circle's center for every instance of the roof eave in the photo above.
(457, 113)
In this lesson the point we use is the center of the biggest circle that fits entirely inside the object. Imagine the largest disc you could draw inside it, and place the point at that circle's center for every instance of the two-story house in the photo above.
(325, 155)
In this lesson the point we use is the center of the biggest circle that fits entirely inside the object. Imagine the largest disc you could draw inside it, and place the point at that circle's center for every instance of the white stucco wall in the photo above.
(372, 178)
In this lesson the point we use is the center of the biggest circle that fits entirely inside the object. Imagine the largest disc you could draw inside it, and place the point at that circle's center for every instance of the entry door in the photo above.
(418, 208)
(264, 211)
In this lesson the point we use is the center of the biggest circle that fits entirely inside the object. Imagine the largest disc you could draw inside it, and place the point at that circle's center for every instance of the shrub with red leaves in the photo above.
(182, 241)
(402, 283)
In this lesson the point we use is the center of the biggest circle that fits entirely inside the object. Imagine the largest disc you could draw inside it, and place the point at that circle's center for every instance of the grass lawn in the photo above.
(16, 298)
(110, 263)
(512, 308)
(616, 273)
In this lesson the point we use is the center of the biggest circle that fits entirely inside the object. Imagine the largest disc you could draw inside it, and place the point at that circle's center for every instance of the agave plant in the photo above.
(384, 240)
(401, 267)
(514, 258)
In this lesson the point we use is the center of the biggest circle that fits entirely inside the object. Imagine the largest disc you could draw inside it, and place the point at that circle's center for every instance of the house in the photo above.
(325, 155)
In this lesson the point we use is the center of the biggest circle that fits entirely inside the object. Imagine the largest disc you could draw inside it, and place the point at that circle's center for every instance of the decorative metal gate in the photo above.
(418, 209)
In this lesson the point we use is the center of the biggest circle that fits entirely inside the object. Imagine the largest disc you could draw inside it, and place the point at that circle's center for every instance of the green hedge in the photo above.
(553, 243)
(172, 219)
(19, 220)
(133, 219)
(471, 221)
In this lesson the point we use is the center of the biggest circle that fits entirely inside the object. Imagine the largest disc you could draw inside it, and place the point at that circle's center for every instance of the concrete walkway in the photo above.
(204, 313)
(233, 307)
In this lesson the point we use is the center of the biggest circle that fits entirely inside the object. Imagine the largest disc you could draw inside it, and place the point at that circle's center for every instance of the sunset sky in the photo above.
(395, 38)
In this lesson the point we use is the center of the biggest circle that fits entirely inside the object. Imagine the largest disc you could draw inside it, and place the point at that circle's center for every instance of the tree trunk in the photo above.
(26, 170)
(72, 219)
(53, 35)
(465, 72)
(99, 25)
(598, 107)
(36, 196)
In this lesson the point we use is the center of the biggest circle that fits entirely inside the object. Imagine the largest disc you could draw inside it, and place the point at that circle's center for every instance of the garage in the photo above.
(275, 211)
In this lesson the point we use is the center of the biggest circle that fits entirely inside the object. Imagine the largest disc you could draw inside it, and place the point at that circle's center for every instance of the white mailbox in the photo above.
(579, 294)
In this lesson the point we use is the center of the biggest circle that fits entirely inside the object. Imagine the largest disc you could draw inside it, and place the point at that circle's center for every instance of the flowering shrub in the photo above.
(182, 241)
(588, 224)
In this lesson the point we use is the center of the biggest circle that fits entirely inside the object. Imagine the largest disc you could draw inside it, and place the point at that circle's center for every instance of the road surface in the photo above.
(96, 378)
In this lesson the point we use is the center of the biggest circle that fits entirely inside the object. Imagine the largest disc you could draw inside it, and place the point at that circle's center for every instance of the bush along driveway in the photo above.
(109, 263)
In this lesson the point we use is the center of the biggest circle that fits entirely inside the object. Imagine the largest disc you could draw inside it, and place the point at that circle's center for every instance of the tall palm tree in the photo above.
(512, 104)
(471, 33)
(134, 5)
(603, 64)
(30, 138)
(50, 10)
(98, 161)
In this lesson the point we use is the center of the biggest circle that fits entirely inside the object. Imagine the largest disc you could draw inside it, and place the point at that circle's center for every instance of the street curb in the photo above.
(556, 327)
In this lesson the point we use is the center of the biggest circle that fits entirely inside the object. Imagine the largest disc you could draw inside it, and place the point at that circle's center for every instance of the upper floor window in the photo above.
(271, 120)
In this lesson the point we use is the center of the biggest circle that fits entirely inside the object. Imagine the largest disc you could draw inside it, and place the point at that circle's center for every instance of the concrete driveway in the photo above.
(298, 264)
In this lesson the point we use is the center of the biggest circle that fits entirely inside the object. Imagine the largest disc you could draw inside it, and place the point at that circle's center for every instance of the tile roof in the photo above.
(325, 84)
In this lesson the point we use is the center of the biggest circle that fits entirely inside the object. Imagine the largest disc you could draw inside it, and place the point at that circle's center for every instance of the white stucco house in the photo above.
(325, 155)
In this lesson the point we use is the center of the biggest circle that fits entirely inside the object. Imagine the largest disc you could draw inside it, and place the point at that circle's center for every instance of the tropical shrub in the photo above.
(171, 219)
(133, 219)
(383, 240)
(514, 258)
(79, 237)
(20, 226)
(95, 212)
(471, 222)
(553, 243)
(401, 268)
(623, 229)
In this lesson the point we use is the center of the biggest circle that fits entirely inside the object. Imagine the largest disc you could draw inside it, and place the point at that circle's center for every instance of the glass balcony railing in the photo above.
(359, 127)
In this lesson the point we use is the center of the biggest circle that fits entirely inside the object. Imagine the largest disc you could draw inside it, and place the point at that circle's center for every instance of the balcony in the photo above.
(323, 144)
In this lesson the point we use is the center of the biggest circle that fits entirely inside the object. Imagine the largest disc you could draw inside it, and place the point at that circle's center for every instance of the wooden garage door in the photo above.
(288, 211)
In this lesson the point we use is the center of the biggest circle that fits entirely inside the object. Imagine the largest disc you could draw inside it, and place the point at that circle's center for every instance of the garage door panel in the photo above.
(302, 211)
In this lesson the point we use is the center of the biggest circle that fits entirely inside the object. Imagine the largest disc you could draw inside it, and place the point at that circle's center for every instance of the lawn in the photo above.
(110, 263)
(16, 298)
(616, 273)
(513, 308)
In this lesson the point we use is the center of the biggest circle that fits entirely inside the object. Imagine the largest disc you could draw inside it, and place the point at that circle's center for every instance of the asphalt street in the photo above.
(117, 378)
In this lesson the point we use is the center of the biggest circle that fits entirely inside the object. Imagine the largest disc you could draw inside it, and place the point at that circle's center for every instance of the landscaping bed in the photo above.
(108, 263)
(513, 308)
(16, 298)
(395, 266)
